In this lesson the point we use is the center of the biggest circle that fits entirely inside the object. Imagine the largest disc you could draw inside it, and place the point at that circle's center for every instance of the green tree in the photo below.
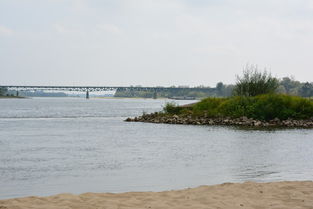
(253, 82)
(220, 89)
(3, 91)
(306, 90)
(290, 85)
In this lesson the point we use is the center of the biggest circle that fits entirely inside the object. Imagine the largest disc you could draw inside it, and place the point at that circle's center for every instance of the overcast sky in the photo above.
(152, 42)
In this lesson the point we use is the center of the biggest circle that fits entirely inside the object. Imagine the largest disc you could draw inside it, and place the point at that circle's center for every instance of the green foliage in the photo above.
(290, 85)
(236, 106)
(254, 83)
(208, 106)
(268, 106)
(167, 93)
(172, 108)
(3, 91)
(282, 107)
(261, 107)
(306, 90)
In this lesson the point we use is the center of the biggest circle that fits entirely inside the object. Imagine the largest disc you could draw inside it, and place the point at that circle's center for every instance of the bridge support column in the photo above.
(17, 93)
(87, 94)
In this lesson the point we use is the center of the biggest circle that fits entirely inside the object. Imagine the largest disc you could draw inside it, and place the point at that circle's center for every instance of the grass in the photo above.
(261, 107)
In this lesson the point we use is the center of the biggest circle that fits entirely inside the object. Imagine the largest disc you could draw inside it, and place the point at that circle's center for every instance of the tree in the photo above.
(3, 91)
(253, 82)
(228, 90)
(291, 85)
(220, 89)
(306, 90)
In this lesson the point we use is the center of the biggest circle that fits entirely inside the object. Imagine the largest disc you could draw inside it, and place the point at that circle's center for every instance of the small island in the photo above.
(254, 103)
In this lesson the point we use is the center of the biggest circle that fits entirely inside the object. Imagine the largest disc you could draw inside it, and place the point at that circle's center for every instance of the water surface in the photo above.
(57, 145)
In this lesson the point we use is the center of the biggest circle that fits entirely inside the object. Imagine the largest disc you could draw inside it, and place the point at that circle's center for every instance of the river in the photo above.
(60, 145)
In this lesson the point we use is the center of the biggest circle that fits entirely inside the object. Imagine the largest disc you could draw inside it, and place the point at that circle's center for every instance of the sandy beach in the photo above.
(291, 195)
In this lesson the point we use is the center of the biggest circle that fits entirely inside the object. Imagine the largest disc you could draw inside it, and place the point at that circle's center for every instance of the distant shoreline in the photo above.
(12, 97)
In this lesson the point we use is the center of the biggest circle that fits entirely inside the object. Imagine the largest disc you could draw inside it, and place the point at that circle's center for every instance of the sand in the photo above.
(291, 195)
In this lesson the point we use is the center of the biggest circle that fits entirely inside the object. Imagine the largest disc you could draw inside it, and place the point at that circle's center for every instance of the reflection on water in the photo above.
(49, 146)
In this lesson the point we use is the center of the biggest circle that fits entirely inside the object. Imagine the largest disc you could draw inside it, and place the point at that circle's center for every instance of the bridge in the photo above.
(89, 89)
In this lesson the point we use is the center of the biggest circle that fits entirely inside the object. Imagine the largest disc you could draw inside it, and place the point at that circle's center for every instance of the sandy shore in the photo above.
(291, 195)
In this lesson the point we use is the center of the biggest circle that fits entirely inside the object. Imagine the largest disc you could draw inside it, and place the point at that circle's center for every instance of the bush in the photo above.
(236, 107)
(261, 107)
(208, 106)
(172, 108)
(3, 91)
(254, 83)
(268, 107)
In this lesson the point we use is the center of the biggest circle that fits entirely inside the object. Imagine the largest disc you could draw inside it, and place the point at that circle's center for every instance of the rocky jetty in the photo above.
(242, 121)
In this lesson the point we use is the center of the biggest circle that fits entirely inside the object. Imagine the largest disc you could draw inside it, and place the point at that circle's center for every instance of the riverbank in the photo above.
(11, 97)
(202, 120)
(297, 194)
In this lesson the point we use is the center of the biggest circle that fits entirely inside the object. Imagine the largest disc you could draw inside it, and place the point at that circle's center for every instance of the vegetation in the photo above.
(285, 85)
(268, 107)
(254, 82)
(3, 91)
(254, 97)
(208, 107)
(262, 107)
(168, 93)
(172, 108)
(41, 94)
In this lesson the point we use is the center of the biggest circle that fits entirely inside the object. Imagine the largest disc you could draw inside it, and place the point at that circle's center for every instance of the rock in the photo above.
(244, 118)
(128, 119)
(257, 123)
(211, 122)
(277, 120)
(203, 120)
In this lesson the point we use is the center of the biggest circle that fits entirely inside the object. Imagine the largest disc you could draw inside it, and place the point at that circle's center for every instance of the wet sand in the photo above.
(291, 195)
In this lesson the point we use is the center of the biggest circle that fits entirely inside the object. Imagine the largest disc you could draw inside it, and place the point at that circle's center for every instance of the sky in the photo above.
(152, 42)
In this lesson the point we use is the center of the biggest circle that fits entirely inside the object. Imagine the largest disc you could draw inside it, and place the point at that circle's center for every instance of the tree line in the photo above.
(285, 85)
(267, 83)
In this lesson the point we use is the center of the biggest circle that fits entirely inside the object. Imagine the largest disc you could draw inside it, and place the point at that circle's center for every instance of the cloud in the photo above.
(4, 31)
(60, 28)
(310, 2)
(86, 31)
(110, 28)
(143, 37)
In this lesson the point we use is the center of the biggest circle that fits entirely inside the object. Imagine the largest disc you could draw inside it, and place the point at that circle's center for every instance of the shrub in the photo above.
(172, 108)
(253, 82)
(208, 106)
(236, 107)
(3, 91)
(261, 107)
(268, 106)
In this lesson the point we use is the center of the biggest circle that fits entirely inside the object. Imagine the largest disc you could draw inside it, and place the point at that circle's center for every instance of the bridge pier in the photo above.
(87, 94)
(17, 93)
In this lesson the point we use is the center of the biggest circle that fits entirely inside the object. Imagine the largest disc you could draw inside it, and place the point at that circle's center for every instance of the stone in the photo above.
(242, 121)
(257, 123)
